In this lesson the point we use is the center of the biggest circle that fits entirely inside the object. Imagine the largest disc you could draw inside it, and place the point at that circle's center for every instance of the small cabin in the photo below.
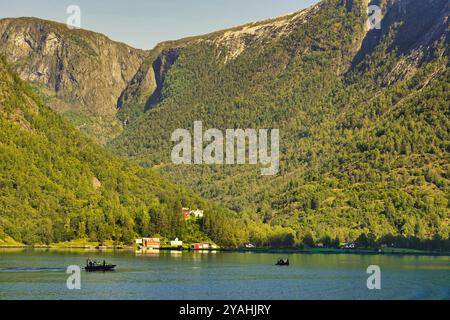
(203, 246)
(197, 246)
(350, 245)
(151, 243)
(197, 213)
(186, 212)
(176, 243)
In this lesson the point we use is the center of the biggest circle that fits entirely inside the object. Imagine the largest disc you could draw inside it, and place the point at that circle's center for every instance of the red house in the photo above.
(153, 243)
(186, 212)
(203, 246)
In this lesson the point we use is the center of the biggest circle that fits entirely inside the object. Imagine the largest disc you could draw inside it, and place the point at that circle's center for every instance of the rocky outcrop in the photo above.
(101, 85)
(144, 89)
(418, 32)
(81, 73)
(237, 40)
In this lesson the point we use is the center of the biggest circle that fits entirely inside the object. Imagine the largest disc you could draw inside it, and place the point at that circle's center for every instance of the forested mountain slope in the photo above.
(80, 73)
(58, 185)
(363, 118)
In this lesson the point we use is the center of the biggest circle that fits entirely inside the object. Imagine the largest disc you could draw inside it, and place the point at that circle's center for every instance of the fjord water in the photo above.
(41, 274)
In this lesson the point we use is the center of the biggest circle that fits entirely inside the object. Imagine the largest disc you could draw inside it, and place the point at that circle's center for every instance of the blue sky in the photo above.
(143, 23)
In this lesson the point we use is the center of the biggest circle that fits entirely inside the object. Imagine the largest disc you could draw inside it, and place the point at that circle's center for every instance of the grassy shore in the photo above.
(110, 245)
(74, 244)
(369, 251)
(8, 242)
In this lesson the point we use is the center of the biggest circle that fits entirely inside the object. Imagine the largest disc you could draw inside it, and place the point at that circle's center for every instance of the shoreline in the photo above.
(392, 251)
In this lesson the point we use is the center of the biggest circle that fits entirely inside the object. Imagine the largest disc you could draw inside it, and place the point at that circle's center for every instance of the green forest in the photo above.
(364, 140)
(364, 129)
(57, 185)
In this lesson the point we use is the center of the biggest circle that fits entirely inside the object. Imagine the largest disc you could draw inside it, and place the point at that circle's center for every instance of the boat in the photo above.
(282, 262)
(94, 266)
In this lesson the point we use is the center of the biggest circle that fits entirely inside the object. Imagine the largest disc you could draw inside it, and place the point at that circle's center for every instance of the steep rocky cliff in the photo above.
(81, 73)
(144, 91)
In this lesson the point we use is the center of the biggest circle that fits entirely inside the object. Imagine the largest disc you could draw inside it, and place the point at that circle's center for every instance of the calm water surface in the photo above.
(41, 274)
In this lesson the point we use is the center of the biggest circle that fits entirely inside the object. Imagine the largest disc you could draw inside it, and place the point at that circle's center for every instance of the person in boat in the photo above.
(283, 262)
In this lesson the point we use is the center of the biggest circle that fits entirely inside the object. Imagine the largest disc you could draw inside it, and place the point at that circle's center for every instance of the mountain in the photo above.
(363, 118)
(57, 185)
(145, 88)
(362, 112)
(80, 73)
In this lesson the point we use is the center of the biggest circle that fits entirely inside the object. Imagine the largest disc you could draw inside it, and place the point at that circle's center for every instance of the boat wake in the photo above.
(30, 269)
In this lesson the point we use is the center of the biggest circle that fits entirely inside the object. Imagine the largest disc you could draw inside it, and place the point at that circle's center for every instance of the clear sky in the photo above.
(144, 23)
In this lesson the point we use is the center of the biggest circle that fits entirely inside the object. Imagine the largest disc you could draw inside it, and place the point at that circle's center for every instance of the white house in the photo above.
(176, 243)
(197, 213)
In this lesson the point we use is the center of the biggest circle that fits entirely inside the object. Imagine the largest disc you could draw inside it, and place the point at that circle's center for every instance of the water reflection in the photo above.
(147, 252)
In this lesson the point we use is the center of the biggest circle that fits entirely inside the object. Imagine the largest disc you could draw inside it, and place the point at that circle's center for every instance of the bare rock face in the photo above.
(81, 73)
(101, 85)
(418, 33)
(145, 87)
(144, 90)
(235, 41)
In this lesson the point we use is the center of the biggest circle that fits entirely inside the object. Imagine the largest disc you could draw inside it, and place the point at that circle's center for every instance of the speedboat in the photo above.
(94, 266)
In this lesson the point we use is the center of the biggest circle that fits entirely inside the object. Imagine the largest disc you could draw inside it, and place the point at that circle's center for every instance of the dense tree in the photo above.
(57, 185)
(363, 118)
